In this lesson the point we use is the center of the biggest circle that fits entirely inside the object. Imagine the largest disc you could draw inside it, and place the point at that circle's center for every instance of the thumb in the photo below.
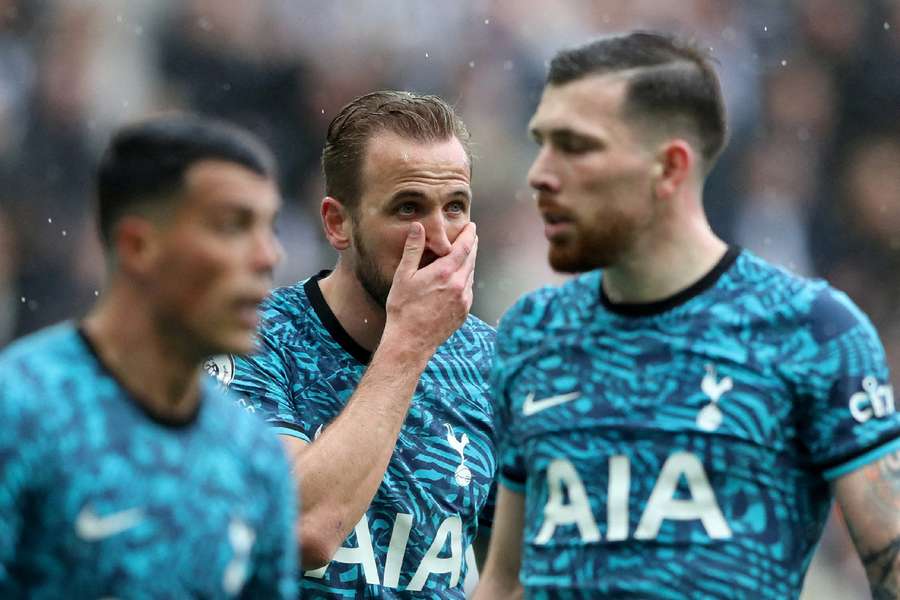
(412, 250)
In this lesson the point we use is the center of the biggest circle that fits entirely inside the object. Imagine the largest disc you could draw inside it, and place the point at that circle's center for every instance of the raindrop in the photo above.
(426, 55)
(783, 63)
(487, 21)
(471, 64)
(765, 28)
(119, 18)
(323, 111)
(49, 219)
(64, 232)
(366, 321)
(96, 292)
(887, 25)
(22, 299)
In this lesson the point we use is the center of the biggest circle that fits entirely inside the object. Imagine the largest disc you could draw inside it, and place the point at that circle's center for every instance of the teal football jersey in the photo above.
(100, 500)
(684, 448)
(412, 540)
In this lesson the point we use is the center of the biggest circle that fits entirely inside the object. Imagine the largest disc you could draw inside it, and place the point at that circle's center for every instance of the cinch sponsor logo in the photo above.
(875, 400)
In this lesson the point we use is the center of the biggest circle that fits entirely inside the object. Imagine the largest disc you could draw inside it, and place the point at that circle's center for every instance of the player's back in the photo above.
(684, 449)
(100, 499)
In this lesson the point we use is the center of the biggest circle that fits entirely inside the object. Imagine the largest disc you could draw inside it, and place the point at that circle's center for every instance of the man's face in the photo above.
(215, 256)
(592, 176)
(405, 181)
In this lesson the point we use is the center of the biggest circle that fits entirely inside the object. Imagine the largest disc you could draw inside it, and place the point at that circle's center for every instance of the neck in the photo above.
(667, 259)
(360, 316)
(161, 372)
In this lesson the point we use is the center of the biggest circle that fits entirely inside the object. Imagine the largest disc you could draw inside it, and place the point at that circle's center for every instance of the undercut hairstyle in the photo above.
(418, 118)
(671, 84)
(145, 163)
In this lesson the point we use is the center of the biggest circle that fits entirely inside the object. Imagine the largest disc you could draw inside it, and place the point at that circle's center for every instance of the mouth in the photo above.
(557, 225)
(247, 309)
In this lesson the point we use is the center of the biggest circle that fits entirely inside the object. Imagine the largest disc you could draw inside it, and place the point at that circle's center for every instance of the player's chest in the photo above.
(656, 384)
(120, 500)
(445, 449)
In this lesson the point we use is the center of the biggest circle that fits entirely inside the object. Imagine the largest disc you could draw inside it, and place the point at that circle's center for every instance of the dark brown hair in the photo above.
(416, 117)
(672, 82)
(145, 162)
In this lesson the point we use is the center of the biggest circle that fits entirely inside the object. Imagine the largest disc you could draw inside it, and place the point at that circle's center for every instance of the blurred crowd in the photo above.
(810, 180)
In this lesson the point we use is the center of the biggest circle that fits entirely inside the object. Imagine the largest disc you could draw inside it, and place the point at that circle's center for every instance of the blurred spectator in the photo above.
(811, 177)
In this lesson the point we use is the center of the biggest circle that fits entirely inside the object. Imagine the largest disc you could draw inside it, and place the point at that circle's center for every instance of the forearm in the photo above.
(340, 472)
(491, 586)
(870, 500)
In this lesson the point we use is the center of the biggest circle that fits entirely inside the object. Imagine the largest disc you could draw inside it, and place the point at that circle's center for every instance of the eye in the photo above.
(456, 207)
(573, 146)
(407, 209)
(230, 225)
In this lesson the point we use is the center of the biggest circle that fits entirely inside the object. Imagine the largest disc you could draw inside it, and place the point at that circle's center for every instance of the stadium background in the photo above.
(811, 178)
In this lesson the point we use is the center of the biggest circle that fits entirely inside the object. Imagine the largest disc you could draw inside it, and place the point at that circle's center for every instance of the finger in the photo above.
(462, 247)
(412, 251)
(468, 266)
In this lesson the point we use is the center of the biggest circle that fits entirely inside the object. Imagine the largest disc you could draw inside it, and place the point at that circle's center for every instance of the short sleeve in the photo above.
(848, 413)
(276, 553)
(21, 450)
(262, 382)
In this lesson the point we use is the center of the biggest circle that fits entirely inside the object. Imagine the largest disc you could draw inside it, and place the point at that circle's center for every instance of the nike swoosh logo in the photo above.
(91, 527)
(533, 406)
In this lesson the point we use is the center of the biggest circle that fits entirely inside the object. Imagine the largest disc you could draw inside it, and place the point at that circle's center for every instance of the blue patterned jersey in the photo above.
(411, 541)
(684, 448)
(100, 500)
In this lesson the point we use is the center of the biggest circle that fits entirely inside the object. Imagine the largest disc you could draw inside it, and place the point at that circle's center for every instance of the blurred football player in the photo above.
(124, 472)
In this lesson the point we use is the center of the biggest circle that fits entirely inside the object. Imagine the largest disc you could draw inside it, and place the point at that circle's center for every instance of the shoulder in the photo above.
(551, 307)
(284, 310)
(42, 357)
(474, 333)
(245, 431)
(812, 305)
(43, 377)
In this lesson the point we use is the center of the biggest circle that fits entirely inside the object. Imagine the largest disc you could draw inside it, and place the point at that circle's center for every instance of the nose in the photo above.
(267, 252)
(541, 176)
(436, 238)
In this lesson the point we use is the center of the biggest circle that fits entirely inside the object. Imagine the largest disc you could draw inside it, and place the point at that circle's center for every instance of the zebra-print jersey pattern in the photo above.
(301, 378)
(730, 405)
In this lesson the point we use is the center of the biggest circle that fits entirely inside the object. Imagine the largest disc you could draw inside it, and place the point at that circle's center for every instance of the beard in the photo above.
(373, 281)
(592, 246)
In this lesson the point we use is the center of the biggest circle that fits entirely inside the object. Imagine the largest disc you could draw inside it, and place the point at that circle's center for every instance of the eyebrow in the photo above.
(417, 195)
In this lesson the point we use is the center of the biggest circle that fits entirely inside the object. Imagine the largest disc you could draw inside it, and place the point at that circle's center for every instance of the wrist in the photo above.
(403, 351)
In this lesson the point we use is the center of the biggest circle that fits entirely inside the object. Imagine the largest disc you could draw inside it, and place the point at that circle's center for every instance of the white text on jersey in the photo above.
(563, 482)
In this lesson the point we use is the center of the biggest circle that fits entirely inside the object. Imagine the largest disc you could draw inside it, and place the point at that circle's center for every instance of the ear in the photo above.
(673, 165)
(337, 223)
(136, 245)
